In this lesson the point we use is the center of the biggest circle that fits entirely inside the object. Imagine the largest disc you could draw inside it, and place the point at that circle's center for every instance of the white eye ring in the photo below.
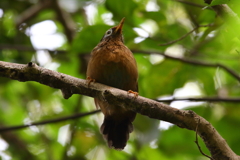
(109, 32)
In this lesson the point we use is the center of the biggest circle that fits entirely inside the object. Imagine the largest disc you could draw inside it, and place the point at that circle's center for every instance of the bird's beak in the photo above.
(119, 27)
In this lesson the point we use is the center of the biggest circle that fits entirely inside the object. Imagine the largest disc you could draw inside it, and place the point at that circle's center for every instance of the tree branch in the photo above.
(70, 85)
(194, 62)
(184, 119)
(32, 12)
(28, 48)
(78, 115)
(185, 35)
(202, 99)
(191, 4)
(65, 19)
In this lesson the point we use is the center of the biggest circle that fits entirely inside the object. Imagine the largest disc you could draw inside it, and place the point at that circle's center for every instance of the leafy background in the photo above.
(148, 24)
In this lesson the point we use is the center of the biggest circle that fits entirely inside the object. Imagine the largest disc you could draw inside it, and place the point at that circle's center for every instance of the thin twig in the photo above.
(28, 48)
(65, 19)
(194, 62)
(196, 141)
(181, 38)
(202, 99)
(32, 12)
(192, 4)
(79, 115)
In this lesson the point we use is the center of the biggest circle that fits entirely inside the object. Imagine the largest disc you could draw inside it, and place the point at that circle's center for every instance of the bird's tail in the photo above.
(116, 132)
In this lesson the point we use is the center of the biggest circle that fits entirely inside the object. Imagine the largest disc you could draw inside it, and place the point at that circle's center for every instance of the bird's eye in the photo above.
(109, 32)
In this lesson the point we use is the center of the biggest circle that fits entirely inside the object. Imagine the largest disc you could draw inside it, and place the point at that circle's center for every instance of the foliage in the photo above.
(159, 22)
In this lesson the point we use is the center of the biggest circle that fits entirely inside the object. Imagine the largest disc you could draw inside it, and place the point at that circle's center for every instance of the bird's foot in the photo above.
(135, 93)
(89, 80)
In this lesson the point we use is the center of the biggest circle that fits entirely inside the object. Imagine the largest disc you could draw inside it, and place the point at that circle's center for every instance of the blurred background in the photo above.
(60, 34)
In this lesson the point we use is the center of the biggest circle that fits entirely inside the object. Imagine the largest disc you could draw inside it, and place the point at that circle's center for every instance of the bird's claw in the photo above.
(89, 80)
(135, 93)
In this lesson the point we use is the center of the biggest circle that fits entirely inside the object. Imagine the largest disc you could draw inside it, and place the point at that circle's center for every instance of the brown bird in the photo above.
(113, 64)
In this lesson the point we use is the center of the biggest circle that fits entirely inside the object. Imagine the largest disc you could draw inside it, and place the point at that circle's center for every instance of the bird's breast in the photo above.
(114, 66)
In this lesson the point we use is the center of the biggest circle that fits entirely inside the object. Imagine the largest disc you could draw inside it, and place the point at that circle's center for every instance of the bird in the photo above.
(113, 64)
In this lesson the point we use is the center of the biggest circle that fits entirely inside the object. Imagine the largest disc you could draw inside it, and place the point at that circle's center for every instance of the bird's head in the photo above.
(114, 32)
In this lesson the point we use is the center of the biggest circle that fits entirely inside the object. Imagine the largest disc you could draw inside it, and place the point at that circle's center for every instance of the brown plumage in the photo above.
(113, 64)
